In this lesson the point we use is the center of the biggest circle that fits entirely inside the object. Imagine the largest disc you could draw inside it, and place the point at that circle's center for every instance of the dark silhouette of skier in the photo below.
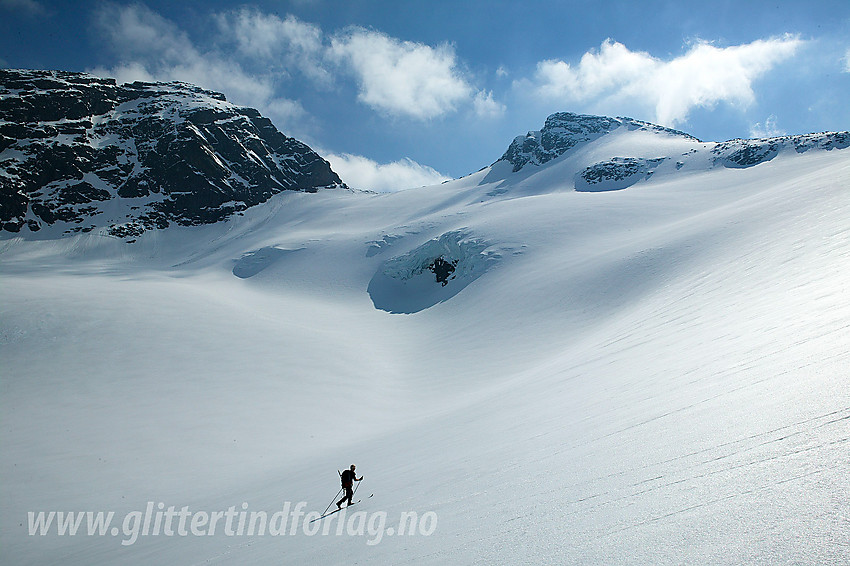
(348, 478)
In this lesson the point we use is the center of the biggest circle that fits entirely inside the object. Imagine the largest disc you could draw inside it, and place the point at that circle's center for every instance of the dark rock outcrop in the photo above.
(563, 131)
(740, 153)
(618, 173)
(88, 153)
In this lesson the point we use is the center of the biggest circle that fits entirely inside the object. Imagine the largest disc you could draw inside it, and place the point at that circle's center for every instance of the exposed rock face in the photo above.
(443, 269)
(746, 153)
(616, 174)
(84, 153)
(564, 131)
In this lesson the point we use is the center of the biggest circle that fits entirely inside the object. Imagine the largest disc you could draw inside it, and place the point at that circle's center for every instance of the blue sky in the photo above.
(404, 93)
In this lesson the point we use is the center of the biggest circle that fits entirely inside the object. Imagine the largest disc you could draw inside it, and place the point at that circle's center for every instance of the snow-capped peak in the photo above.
(564, 131)
(598, 153)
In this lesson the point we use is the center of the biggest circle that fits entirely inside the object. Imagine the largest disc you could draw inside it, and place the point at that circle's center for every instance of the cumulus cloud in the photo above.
(614, 66)
(402, 78)
(363, 173)
(703, 77)
(255, 51)
(152, 48)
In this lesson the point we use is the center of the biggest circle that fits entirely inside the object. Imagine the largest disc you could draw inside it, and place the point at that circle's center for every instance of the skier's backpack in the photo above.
(346, 479)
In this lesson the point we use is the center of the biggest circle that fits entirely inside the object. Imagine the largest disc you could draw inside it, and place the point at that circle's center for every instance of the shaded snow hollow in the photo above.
(431, 273)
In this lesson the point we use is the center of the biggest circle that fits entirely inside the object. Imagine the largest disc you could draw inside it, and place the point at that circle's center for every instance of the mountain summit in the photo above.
(566, 130)
(82, 152)
(599, 153)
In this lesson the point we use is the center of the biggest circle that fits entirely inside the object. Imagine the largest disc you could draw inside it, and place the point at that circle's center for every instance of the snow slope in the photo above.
(656, 374)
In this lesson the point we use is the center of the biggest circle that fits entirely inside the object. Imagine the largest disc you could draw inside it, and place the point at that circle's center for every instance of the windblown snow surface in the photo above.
(652, 375)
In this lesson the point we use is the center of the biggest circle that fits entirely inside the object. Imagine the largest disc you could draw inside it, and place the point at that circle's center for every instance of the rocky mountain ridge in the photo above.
(564, 133)
(80, 152)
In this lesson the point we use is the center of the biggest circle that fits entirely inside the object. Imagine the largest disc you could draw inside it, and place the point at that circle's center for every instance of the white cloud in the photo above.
(363, 173)
(769, 129)
(155, 49)
(702, 77)
(136, 31)
(284, 111)
(402, 78)
(847, 61)
(501, 71)
(612, 67)
(254, 50)
(266, 36)
(486, 107)
(125, 73)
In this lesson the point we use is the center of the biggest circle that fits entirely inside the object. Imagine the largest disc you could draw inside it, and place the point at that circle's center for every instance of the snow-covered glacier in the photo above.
(617, 345)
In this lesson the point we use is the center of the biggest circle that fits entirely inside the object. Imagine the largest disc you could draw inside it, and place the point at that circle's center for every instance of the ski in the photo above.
(328, 514)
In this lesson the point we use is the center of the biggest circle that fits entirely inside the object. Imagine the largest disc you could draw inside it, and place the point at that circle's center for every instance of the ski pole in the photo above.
(356, 487)
(332, 502)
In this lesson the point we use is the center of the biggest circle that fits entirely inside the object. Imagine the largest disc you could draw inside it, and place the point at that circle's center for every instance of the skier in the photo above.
(348, 478)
